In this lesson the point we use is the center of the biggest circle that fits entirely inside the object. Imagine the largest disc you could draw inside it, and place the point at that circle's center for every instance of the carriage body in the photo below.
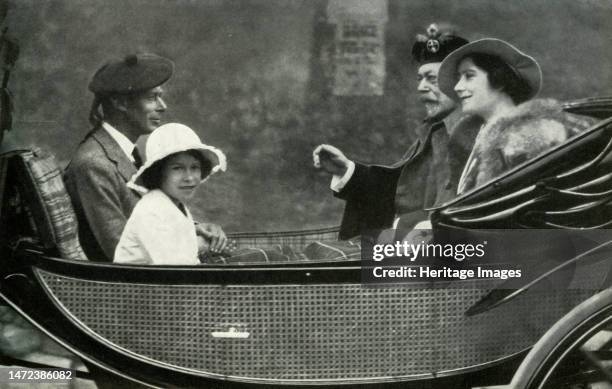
(303, 323)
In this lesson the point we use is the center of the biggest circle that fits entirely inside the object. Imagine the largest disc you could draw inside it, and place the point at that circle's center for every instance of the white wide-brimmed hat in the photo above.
(174, 138)
(524, 65)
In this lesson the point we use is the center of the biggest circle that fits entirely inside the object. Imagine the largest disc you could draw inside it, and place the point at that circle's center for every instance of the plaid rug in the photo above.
(316, 251)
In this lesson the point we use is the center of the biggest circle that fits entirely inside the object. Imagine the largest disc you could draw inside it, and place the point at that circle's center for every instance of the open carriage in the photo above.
(314, 323)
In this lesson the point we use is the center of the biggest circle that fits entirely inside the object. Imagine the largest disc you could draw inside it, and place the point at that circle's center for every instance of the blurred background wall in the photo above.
(252, 78)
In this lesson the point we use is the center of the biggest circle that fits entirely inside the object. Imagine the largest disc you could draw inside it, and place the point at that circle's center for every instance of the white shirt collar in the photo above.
(124, 143)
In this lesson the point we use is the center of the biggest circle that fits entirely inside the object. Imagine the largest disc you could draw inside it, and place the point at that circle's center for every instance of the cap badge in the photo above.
(432, 30)
(433, 46)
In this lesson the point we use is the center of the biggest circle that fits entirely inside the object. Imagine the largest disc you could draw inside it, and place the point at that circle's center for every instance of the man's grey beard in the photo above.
(437, 111)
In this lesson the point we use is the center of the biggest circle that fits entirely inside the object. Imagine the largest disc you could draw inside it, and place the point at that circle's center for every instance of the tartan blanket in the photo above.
(317, 251)
(42, 180)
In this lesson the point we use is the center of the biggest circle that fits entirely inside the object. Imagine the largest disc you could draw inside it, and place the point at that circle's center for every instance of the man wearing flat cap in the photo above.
(379, 197)
(128, 103)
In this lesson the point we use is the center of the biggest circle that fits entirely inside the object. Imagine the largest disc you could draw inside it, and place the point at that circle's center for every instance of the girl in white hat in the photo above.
(497, 82)
(160, 230)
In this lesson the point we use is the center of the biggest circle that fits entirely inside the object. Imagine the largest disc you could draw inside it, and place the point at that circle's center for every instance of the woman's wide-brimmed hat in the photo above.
(174, 138)
(524, 65)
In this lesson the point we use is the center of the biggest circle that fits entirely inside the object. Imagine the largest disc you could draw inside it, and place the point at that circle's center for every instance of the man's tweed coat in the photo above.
(96, 181)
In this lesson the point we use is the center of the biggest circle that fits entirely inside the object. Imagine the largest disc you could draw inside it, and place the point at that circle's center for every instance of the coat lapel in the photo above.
(125, 167)
(422, 144)
(419, 146)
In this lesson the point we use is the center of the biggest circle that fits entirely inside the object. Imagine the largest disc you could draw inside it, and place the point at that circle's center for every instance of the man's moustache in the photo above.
(428, 100)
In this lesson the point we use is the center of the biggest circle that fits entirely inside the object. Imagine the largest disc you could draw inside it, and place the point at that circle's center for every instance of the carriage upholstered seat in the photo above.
(40, 184)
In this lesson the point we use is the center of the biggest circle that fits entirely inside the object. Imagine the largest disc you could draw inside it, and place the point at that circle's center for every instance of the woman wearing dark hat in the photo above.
(496, 81)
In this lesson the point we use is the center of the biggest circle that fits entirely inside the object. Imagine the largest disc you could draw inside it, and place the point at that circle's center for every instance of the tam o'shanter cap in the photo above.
(174, 138)
(135, 73)
(525, 66)
(438, 42)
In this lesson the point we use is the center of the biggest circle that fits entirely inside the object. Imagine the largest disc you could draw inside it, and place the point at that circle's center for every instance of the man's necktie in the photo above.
(137, 159)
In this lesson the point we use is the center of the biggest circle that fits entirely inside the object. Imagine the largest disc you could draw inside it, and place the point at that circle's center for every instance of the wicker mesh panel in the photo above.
(309, 332)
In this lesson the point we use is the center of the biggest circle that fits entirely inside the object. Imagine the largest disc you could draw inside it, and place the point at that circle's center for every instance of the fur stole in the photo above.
(528, 130)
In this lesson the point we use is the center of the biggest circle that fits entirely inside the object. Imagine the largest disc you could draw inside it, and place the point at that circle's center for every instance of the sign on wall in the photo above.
(359, 55)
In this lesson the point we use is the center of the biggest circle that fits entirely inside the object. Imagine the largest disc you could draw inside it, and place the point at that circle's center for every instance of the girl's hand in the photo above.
(203, 245)
(214, 234)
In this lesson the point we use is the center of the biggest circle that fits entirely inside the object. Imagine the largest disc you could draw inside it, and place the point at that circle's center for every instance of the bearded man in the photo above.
(379, 197)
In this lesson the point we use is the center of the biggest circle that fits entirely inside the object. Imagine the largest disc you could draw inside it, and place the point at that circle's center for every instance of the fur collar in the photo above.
(529, 110)
(523, 118)
(521, 134)
(518, 116)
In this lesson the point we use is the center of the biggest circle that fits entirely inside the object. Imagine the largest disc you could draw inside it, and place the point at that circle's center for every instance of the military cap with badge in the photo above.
(439, 41)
